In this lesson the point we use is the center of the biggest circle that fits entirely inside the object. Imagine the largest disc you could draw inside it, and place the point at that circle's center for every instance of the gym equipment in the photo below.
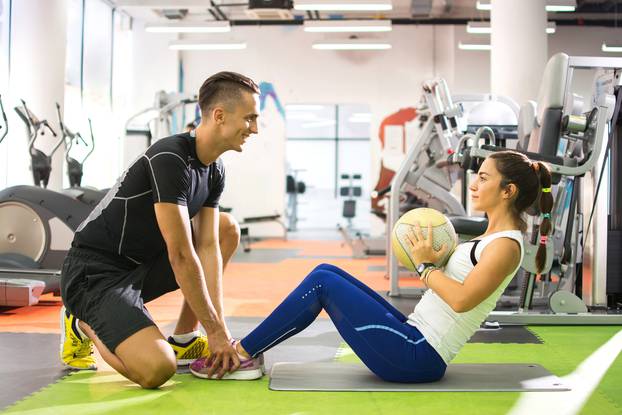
(350, 192)
(425, 172)
(442, 231)
(587, 255)
(361, 245)
(41, 163)
(36, 230)
(166, 117)
(293, 188)
(160, 120)
(351, 377)
(75, 168)
(583, 140)
(245, 238)
(6, 128)
(425, 177)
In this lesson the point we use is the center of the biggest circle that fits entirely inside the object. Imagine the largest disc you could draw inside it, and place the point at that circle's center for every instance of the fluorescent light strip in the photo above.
(359, 5)
(473, 46)
(344, 26)
(198, 45)
(611, 48)
(483, 28)
(559, 8)
(351, 46)
(483, 5)
(564, 6)
(198, 27)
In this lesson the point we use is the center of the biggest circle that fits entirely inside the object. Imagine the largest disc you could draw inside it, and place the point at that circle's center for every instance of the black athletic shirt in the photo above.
(124, 222)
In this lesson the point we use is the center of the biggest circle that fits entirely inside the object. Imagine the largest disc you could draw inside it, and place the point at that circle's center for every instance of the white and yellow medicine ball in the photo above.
(442, 232)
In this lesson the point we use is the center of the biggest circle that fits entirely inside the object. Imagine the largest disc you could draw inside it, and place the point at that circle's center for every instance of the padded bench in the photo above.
(244, 232)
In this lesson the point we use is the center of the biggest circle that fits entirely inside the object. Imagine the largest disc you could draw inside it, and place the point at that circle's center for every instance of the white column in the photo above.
(37, 75)
(519, 48)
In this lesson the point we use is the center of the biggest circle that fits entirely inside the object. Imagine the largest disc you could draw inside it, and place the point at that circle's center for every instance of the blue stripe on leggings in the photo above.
(376, 326)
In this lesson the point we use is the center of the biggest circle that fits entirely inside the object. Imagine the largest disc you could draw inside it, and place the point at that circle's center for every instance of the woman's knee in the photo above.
(228, 228)
(322, 276)
(327, 267)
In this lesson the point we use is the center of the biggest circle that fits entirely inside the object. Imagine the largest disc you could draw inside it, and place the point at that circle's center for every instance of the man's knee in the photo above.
(157, 373)
(228, 229)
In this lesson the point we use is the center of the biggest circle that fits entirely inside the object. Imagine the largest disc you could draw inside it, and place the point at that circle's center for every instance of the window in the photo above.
(323, 143)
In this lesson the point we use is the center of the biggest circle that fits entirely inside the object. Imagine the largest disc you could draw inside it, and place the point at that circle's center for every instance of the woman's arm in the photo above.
(497, 261)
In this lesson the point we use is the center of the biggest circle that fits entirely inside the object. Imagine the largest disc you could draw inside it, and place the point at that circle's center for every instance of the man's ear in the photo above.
(218, 115)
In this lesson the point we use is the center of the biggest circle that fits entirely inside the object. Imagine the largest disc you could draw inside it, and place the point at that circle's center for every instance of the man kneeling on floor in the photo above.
(139, 243)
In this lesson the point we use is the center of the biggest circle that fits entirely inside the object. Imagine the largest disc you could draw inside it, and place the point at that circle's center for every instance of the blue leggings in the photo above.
(377, 332)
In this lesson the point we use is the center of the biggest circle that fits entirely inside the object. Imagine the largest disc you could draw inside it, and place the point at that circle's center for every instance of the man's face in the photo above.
(241, 121)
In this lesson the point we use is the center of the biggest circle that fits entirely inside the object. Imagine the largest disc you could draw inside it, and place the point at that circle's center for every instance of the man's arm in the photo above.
(174, 225)
(207, 248)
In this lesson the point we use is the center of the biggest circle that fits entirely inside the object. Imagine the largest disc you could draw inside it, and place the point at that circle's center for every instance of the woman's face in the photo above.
(486, 191)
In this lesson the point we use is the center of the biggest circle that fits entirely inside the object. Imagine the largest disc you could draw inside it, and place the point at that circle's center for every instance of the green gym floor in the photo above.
(33, 382)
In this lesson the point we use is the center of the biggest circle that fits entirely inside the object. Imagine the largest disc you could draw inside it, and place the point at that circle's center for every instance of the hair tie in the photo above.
(546, 190)
(546, 216)
(543, 239)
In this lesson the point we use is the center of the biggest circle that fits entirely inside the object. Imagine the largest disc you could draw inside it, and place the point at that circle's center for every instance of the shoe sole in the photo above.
(62, 343)
(241, 375)
(184, 362)
(62, 334)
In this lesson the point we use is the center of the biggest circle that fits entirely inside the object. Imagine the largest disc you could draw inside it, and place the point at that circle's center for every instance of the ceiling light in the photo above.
(551, 6)
(483, 5)
(351, 45)
(473, 46)
(337, 5)
(189, 27)
(341, 26)
(484, 28)
(561, 5)
(611, 48)
(205, 45)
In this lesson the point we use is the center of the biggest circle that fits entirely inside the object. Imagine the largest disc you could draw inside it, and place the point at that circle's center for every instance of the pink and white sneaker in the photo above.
(249, 369)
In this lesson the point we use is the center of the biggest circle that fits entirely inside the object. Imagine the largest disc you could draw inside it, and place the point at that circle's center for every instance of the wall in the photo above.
(385, 80)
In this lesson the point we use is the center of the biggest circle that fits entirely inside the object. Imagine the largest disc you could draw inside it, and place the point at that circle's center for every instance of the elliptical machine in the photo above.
(36, 230)
(6, 124)
(75, 168)
(41, 163)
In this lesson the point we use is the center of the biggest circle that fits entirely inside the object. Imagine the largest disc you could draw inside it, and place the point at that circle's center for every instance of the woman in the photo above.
(417, 348)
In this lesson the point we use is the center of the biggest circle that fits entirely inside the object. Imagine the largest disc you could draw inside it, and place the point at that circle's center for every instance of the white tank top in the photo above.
(443, 328)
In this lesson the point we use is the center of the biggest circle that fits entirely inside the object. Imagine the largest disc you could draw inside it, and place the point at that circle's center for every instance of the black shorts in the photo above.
(109, 292)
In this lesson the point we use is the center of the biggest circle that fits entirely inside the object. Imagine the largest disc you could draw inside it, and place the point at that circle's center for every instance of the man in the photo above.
(139, 244)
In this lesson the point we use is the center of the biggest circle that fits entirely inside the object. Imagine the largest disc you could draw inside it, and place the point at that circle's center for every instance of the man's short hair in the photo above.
(224, 88)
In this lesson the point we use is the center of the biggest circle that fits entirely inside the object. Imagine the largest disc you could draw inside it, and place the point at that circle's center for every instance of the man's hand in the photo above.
(224, 357)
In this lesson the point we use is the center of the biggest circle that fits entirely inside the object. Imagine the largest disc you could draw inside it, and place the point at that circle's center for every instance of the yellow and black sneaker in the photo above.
(76, 352)
(191, 350)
